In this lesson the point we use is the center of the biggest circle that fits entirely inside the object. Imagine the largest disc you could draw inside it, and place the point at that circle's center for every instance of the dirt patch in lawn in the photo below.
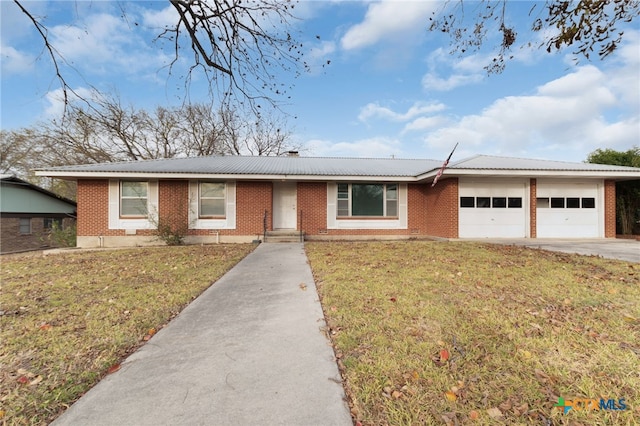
(460, 332)
(67, 320)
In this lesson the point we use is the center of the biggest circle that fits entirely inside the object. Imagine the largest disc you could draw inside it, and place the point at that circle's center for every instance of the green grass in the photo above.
(521, 328)
(67, 319)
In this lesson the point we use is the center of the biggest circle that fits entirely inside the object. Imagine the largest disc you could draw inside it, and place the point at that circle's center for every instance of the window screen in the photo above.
(25, 225)
(212, 199)
(133, 199)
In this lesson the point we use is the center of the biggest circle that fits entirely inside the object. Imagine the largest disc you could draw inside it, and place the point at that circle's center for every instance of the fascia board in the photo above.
(534, 173)
(132, 175)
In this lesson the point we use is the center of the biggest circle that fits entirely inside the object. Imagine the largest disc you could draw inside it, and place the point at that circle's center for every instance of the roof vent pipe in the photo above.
(293, 154)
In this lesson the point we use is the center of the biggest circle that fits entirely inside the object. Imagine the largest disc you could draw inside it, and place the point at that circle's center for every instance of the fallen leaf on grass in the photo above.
(45, 326)
(36, 381)
(23, 380)
(113, 368)
(444, 355)
(450, 419)
(494, 413)
(450, 396)
(473, 415)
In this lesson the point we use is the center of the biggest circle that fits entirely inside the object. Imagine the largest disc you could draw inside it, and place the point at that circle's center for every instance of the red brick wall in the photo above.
(312, 202)
(173, 204)
(430, 211)
(93, 208)
(252, 199)
(533, 208)
(441, 205)
(609, 209)
(417, 209)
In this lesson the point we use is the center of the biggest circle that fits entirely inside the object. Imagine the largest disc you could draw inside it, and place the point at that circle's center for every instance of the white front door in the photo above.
(285, 200)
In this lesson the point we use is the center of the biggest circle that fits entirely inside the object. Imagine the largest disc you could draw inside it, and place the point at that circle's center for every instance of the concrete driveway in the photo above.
(627, 250)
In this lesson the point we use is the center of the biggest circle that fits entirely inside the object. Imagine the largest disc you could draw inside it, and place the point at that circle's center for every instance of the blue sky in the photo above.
(391, 89)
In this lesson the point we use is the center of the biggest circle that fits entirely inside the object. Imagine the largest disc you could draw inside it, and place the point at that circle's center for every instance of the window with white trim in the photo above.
(134, 199)
(212, 199)
(367, 200)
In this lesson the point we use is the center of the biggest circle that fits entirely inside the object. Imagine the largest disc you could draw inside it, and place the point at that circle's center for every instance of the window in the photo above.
(392, 200)
(515, 202)
(573, 203)
(483, 202)
(557, 203)
(212, 199)
(367, 199)
(467, 202)
(588, 203)
(133, 199)
(542, 203)
(343, 199)
(499, 202)
(51, 222)
(25, 225)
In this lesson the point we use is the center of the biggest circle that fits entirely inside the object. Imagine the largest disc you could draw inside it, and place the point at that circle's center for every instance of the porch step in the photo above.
(283, 236)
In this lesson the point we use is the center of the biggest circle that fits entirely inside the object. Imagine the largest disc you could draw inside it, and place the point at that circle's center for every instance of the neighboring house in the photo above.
(236, 198)
(28, 213)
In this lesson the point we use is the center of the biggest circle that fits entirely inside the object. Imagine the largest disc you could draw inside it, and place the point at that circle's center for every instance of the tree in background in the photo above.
(110, 132)
(627, 192)
(587, 26)
(239, 46)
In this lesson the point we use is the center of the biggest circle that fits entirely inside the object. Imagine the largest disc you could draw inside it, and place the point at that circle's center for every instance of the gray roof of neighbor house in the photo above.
(323, 168)
(21, 197)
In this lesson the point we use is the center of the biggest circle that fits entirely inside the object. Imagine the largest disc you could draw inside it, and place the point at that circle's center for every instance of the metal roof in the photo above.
(488, 162)
(262, 165)
(321, 168)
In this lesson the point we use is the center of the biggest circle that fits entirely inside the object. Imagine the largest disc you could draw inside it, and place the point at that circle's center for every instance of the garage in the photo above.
(493, 208)
(569, 209)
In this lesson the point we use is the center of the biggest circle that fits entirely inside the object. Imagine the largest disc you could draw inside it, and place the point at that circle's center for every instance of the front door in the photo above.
(285, 200)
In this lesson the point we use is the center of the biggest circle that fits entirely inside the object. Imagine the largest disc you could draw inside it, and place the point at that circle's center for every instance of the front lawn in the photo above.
(466, 333)
(67, 320)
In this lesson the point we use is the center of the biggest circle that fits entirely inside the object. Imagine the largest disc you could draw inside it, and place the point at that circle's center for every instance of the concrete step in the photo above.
(283, 236)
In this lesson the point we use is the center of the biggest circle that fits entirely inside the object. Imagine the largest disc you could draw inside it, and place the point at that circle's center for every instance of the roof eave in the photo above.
(226, 176)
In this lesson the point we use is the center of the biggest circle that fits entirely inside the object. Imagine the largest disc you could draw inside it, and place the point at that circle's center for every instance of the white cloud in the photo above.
(565, 117)
(430, 81)
(105, 43)
(374, 110)
(388, 19)
(14, 61)
(425, 123)
(377, 147)
(317, 56)
(55, 100)
(164, 18)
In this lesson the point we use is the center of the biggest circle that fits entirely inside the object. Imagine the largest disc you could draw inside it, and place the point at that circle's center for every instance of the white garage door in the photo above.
(569, 209)
(492, 209)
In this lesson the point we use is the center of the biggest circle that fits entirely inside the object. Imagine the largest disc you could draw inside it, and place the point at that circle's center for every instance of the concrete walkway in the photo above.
(249, 351)
(609, 248)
